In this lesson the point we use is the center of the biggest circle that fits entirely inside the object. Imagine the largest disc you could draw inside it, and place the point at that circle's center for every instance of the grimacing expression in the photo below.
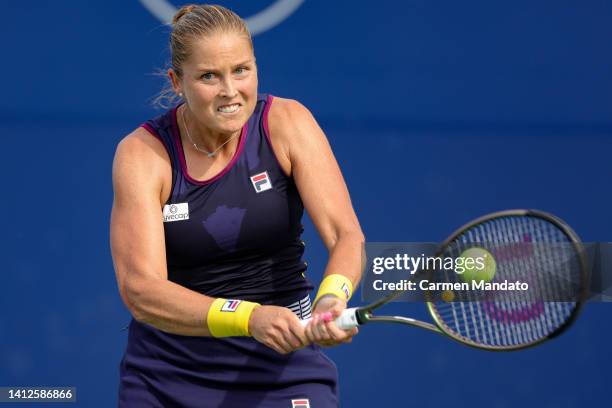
(219, 82)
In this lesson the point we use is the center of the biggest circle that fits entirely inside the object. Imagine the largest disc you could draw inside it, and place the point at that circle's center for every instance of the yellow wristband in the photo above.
(337, 285)
(229, 317)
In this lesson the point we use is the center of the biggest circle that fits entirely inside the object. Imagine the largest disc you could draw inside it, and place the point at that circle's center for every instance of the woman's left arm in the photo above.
(306, 154)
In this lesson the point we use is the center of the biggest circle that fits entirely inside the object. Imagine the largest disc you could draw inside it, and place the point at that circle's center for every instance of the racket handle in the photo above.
(346, 321)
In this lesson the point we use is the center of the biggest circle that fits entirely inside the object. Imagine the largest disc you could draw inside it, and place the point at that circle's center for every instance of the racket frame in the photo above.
(364, 314)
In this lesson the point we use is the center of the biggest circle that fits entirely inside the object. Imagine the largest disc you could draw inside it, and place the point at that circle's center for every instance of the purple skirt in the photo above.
(167, 370)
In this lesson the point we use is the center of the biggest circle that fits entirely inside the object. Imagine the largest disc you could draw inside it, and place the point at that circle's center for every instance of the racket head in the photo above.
(514, 324)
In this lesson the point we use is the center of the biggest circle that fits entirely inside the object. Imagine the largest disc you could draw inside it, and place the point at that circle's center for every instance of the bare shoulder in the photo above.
(141, 162)
(140, 144)
(292, 125)
(287, 115)
(285, 108)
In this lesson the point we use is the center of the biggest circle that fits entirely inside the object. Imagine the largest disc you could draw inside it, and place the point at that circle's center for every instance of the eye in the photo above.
(241, 70)
(208, 76)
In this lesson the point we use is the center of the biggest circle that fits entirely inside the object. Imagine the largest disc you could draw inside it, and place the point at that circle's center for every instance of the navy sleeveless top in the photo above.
(236, 235)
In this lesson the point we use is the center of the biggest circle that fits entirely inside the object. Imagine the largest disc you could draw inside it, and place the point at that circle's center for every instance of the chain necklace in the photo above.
(209, 154)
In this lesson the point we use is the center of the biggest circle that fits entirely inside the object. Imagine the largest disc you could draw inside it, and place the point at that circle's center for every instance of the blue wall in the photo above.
(438, 111)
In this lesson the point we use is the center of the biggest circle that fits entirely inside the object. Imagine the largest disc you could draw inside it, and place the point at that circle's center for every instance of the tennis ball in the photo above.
(478, 269)
(448, 296)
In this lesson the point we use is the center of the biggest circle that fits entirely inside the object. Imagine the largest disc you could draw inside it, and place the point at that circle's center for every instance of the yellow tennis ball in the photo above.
(448, 296)
(481, 267)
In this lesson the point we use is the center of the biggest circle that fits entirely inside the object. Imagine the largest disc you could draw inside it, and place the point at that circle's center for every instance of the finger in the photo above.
(285, 343)
(320, 331)
(336, 333)
(292, 339)
(284, 338)
(308, 333)
(300, 333)
(291, 331)
(324, 332)
(316, 328)
(350, 334)
(309, 330)
(297, 336)
(286, 347)
(274, 345)
(313, 328)
(277, 337)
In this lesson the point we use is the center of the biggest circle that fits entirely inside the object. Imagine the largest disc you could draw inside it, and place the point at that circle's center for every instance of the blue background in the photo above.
(438, 111)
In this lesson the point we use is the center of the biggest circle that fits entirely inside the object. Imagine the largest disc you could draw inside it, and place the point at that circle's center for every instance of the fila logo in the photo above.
(261, 182)
(231, 305)
(300, 403)
(176, 212)
(345, 289)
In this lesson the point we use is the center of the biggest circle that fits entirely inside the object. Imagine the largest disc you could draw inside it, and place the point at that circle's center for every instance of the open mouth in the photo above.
(229, 108)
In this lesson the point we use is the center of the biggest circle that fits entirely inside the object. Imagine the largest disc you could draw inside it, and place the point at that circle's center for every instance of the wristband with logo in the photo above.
(229, 317)
(337, 285)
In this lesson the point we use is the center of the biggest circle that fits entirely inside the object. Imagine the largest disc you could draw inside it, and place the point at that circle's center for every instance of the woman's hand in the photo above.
(278, 328)
(322, 330)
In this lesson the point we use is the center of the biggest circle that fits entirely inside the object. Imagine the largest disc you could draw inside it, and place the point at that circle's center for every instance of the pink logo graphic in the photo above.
(502, 312)
(510, 315)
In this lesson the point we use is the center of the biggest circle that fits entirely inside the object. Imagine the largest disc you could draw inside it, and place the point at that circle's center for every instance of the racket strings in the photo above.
(527, 249)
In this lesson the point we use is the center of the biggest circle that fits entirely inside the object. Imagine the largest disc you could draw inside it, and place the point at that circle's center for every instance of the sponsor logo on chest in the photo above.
(261, 182)
(176, 212)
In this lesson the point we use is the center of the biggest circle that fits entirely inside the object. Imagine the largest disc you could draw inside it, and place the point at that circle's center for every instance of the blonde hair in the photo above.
(191, 22)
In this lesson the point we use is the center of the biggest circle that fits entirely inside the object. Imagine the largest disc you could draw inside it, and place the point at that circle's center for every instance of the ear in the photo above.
(176, 82)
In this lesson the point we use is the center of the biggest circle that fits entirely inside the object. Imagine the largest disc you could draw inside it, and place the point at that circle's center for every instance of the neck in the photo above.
(203, 139)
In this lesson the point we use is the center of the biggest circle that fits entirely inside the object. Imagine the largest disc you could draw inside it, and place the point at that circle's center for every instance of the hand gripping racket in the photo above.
(529, 245)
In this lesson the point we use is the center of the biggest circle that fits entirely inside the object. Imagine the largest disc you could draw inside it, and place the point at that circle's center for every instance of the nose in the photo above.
(228, 89)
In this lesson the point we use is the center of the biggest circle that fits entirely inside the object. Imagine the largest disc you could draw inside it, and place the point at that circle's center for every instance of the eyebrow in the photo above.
(235, 66)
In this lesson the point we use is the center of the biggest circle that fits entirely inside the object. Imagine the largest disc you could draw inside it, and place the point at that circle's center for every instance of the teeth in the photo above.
(229, 108)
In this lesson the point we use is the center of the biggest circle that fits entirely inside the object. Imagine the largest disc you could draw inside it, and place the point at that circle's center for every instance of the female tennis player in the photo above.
(205, 236)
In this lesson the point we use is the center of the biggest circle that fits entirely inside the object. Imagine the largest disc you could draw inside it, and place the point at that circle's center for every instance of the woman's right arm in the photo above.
(137, 241)
(141, 171)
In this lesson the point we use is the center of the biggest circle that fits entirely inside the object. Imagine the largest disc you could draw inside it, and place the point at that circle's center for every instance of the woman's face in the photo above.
(219, 82)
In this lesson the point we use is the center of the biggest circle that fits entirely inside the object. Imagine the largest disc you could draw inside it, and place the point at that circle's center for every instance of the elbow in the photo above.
(138, 314)
(132, 294)
(353, 236)
(360, 236)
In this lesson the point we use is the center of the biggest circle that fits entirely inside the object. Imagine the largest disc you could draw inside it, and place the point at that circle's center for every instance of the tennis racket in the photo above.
(529, 245)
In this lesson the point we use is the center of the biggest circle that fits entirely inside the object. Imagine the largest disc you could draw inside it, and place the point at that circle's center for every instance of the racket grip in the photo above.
(346, 321)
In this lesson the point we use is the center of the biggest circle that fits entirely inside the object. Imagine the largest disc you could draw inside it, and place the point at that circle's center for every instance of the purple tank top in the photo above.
(236, 235)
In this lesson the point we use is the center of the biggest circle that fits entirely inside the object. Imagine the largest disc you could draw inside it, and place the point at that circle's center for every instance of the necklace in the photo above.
(209, 154)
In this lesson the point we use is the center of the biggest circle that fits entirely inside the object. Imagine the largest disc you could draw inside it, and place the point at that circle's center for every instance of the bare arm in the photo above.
(141, 180)
(137, 241)
(309, 158)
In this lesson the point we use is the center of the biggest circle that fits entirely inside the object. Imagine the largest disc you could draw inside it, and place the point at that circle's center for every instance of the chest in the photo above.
(245, 211)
